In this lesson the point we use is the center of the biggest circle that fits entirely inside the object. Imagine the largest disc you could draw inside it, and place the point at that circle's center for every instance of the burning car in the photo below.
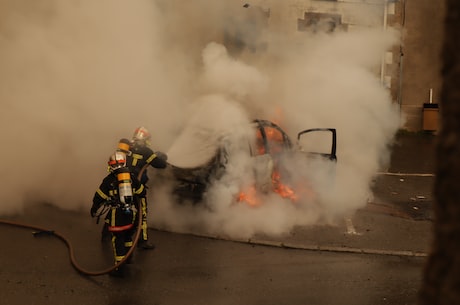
(271, 152)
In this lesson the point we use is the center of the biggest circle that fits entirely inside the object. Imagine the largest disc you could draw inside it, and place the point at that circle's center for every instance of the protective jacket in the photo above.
(142, 156)
(108, 192)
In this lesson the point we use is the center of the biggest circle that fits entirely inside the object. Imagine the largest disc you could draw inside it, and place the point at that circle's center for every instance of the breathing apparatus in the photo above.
(125, 190)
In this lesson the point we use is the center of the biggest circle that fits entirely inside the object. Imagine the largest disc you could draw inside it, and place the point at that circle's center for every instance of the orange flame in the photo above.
(249, 196)
(282, 189)
(275, 139)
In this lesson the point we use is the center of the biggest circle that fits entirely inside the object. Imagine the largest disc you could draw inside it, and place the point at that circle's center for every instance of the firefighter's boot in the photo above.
(145, 245)
(118, 272)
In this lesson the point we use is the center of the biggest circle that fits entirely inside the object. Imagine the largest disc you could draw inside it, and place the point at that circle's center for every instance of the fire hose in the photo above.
(40, 231)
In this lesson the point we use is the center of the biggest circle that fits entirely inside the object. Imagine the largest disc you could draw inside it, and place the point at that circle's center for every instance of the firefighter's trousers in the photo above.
(121, 225)
(143, 209)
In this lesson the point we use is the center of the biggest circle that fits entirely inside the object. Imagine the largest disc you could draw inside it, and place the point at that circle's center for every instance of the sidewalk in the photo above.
(406, 187)
(397, 221)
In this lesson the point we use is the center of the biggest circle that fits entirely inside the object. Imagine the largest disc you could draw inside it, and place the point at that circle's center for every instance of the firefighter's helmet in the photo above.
(117, 160)
(141, 136)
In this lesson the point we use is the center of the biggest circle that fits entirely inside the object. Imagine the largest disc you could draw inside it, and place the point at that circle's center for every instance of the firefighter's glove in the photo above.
(161, 155)
(93, 211)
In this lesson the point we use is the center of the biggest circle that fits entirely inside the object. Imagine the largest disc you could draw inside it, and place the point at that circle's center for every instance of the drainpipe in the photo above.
(382, 67)
(401, 65)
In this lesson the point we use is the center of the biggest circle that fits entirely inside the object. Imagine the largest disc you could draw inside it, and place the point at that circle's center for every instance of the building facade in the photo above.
(410, 70)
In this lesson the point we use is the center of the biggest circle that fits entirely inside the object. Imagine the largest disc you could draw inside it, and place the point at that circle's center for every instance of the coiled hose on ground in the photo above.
(73, 261)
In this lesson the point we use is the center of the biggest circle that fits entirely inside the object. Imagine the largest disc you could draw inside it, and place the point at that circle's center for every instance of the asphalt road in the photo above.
(187, 269)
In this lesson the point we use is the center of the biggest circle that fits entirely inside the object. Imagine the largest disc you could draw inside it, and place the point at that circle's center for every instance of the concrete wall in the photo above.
(421, 48)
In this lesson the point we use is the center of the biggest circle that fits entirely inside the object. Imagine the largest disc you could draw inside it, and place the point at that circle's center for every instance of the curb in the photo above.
(404, 253)
(406, 174)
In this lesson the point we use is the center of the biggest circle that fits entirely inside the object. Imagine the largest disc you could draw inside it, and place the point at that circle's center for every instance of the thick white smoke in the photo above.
(77, 76)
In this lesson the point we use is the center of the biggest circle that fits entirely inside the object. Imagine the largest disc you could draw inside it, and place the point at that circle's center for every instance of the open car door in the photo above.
(319, 145)
(324, 146)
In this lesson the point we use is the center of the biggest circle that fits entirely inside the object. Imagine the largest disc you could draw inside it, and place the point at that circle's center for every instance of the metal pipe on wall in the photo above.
(382, 66)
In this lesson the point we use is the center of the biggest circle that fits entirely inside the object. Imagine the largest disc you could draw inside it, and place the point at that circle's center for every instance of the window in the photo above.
(320, 22)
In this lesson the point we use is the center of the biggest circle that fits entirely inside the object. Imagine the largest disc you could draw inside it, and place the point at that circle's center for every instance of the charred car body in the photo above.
(269, 152)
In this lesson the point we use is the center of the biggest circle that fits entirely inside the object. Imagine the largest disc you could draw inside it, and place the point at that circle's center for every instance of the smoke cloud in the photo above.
(77, 76)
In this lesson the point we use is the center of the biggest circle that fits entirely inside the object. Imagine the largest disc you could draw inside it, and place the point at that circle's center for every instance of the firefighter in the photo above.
(120, 190)
(123, 146)
(143, 156)
(140, 157)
